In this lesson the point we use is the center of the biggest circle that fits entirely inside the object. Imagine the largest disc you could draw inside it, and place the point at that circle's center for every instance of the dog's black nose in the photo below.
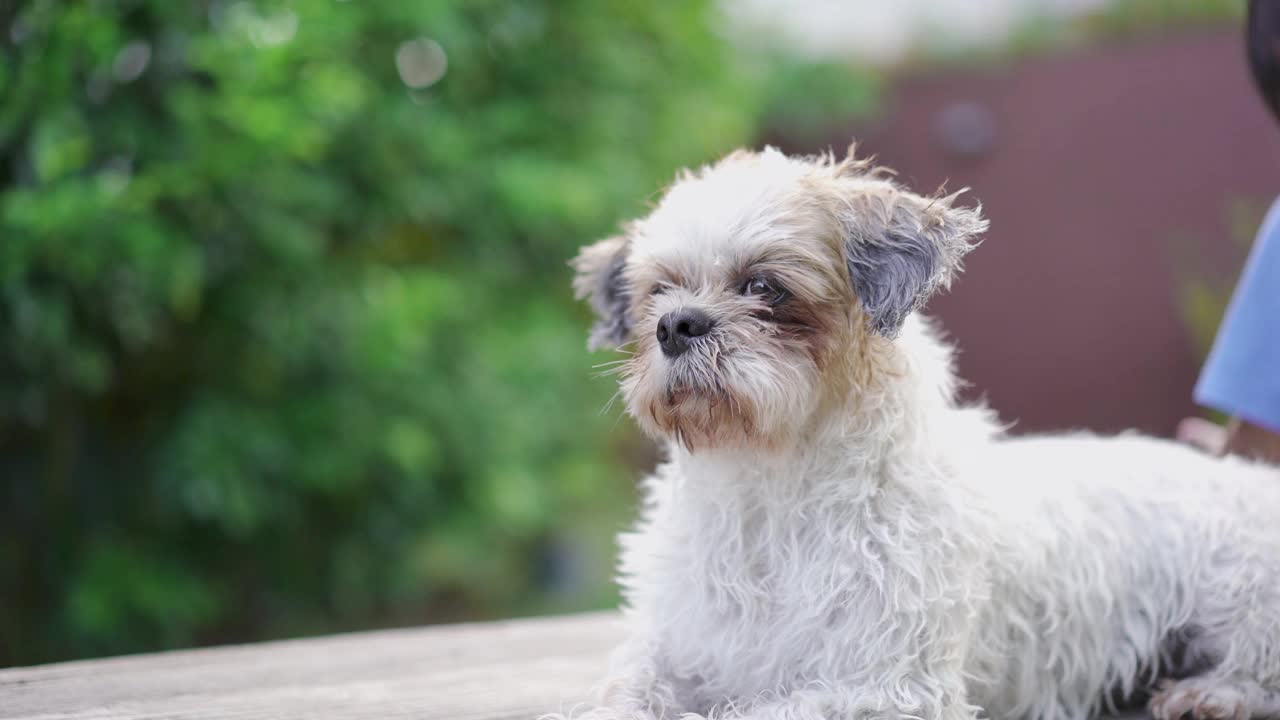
(676, 330)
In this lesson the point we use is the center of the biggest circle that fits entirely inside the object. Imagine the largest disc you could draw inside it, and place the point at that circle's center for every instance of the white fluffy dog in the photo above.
(835, 536)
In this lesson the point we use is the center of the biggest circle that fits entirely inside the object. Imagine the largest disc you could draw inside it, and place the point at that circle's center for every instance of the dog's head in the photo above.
(760, 286)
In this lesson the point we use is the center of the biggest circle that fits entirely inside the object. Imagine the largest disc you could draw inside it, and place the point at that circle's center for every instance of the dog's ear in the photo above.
(601, 281)
(900, 248)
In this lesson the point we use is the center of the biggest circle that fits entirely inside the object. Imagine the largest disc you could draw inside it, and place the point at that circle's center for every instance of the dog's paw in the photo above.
(1201, 699)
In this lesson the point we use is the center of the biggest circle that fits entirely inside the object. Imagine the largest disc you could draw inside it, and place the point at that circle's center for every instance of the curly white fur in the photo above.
(893, 554)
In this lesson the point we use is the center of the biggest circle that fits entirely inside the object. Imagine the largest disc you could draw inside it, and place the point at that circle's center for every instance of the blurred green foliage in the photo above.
(1112, 21)
(286, 342)
(1126, 18)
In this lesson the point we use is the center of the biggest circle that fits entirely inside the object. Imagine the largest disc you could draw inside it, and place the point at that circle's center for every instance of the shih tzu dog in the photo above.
(834, 535)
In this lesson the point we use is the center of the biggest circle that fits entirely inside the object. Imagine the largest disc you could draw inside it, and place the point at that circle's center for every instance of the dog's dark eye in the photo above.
(761, 287)
(658, 289)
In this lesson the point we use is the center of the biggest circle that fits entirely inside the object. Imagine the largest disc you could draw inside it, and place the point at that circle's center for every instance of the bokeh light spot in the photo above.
(131, 61)
(421, 62)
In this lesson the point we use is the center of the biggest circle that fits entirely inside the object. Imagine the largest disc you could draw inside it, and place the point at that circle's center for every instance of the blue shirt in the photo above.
(1242, 375)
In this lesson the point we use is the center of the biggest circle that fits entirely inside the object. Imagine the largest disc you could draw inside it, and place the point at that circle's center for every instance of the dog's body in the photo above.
(1029, 577)
(834, 536)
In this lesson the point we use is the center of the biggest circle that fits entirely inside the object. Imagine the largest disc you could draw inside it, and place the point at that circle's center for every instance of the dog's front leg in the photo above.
(638, 688)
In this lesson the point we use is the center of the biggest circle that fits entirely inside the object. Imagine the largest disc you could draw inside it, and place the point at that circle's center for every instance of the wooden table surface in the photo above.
(509, 670)
(491, 671)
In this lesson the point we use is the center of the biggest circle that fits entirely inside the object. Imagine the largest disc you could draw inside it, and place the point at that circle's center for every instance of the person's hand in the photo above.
(1239, 437)
(1203, 434)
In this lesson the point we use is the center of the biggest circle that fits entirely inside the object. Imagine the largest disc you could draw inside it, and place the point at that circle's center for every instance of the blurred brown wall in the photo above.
(1108, 174)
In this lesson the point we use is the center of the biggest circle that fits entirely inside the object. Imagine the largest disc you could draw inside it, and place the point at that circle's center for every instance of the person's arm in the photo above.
(1241, 378)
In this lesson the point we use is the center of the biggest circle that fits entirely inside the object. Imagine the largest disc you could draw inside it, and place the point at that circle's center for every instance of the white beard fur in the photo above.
(907, 559)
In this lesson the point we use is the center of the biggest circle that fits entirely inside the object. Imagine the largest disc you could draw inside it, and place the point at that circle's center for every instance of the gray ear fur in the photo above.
(601, 281)
(901, 248)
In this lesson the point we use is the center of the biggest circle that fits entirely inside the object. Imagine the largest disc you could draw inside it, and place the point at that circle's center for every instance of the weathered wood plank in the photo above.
(493, 671)
(514, 670)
